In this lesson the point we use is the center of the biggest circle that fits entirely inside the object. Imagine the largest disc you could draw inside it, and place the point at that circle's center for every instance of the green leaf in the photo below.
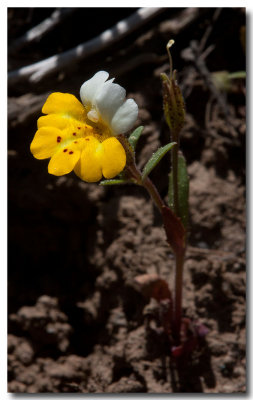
(135, 135)
(183, 190)
(237, 75)
(108, 182)
(156, 158)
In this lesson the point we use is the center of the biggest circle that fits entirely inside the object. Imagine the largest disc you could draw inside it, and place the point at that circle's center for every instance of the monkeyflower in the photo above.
(87, 137)
(83, 136)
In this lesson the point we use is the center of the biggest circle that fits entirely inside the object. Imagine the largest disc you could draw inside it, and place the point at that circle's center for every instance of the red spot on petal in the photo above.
(87, 139)
(71, 152)
(75, 141)
(64, 151)
(78, 127)
(74, 133)
(58, 139)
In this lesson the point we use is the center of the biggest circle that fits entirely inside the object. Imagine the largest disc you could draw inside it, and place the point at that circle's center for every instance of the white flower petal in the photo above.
(110, 80)
(93, 115)
(90, 88)
(109, 99)
(106, 101)
(125, 117)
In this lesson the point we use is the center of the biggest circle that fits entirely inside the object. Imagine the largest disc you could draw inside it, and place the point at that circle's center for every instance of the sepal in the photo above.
(134, 137)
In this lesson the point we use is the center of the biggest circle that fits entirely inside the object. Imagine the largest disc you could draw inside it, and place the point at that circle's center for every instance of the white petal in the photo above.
(93, 115)
(90, 88)
(109, 99)
(125, 117)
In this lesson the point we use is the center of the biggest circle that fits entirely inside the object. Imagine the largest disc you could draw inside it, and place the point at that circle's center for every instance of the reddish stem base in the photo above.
(192, 334)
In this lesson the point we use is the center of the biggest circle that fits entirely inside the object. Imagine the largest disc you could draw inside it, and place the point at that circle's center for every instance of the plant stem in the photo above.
(179, 258)
(150, 187)
(177, 312)
(147, 184)
(155, 196)
(177, 315)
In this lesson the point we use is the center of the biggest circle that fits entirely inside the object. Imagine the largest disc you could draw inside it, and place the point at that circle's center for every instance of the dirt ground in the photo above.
(77, 321)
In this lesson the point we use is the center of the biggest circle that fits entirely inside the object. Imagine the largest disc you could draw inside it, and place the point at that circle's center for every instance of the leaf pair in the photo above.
(155, 158)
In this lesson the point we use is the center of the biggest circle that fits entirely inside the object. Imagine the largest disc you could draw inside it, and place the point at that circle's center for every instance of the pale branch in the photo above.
(182, 20)
(34, 73)
(36, 33)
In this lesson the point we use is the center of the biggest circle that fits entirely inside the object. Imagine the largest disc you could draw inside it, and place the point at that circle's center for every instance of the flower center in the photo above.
(100, 131)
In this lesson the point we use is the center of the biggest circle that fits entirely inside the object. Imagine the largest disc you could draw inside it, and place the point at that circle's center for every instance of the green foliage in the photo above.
(223, 80)
(183, 190)
(135, 135)
(237, 75)
(108, 182)
(156, 158)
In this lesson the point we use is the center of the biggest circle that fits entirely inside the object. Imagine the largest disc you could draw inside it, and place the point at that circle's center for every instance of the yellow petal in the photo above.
(64, 160)
(88, 167)
(113, 158)
(72, 127)
(64, 103)
(46, 142)
(54, 120)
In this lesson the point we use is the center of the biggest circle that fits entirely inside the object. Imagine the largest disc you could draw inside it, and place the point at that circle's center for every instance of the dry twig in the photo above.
(36, 33)
(28, 105)
(36, 72)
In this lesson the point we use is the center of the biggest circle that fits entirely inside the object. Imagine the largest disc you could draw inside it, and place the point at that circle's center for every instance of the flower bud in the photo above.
(173, 103)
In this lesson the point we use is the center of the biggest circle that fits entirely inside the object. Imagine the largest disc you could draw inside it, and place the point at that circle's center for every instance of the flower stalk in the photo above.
(153, 192)
(177, 312)
(173, 104)
(173, 228)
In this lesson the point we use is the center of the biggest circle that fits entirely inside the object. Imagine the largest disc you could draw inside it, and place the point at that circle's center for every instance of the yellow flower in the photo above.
(82, 137)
